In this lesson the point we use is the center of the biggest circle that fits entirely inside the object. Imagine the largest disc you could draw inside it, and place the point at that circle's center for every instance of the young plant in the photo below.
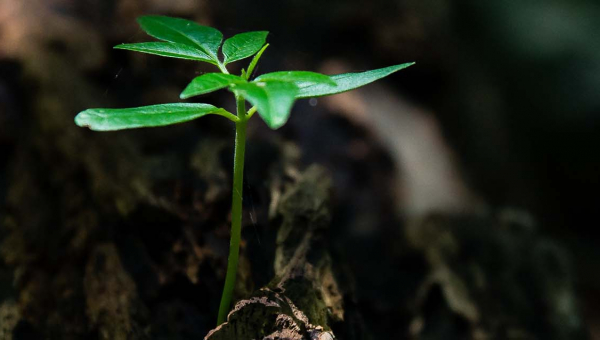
(272, 96)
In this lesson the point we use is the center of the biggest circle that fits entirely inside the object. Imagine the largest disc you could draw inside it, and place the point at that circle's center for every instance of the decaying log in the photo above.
(493, 277)
(303, 296)
(113, 305)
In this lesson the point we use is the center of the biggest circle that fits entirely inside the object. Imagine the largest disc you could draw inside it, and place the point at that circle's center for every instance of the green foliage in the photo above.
(243, 45)
(273, 100)
(145, 116)
(168, 49)
(210, 82)
(175, 30)
(297, 77)
(272, 94)
(345, 82)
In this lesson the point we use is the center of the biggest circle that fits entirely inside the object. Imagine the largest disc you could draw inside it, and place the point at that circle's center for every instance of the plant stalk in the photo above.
(236, 210)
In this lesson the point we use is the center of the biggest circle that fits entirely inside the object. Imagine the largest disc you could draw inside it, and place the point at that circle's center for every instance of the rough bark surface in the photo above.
(114, 307)
(493, 278)
(303, 296)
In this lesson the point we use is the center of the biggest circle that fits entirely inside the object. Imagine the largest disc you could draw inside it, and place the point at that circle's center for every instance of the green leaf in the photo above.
(243, 45)
(302, 77)
(210, 82)
(346, 82)
(146, 116)
(273, 100)
(182, 31)
(168, 49)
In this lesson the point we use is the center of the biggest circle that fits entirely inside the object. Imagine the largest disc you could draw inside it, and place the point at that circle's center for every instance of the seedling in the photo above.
(272, 96)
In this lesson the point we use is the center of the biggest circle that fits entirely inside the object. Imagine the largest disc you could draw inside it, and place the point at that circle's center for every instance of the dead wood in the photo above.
(299, 302)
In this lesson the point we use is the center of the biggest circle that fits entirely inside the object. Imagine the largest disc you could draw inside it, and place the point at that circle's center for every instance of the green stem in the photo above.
(251, 112)
(254, 62)
(222, 68)
(227, 114)
(236, 210)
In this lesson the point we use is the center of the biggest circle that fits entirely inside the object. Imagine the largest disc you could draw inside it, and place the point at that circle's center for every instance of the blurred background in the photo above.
(465, 188)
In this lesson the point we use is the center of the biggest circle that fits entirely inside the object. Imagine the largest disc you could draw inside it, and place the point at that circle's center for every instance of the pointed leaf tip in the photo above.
(347, 81)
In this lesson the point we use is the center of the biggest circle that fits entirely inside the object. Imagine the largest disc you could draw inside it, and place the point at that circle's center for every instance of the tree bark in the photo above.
(299, 302)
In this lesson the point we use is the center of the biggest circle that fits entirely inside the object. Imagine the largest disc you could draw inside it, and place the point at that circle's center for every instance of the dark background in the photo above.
(500, 116)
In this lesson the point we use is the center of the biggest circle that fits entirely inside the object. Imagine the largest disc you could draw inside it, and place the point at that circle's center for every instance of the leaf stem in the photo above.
(227, 114)
(251, 112)
(254, 62)
(236, 209)
(222, 68)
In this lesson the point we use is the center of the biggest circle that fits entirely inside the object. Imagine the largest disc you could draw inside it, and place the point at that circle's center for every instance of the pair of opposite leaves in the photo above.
(273, 94)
